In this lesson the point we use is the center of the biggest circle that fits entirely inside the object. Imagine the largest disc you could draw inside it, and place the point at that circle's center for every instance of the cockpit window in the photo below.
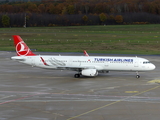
(146, 62)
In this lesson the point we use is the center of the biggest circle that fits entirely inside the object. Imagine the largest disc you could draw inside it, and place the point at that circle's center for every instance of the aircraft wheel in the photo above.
(77, 75)
(137, 76)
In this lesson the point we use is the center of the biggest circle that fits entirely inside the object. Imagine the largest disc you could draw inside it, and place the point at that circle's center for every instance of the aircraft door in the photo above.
(33, 62)
(136, 63)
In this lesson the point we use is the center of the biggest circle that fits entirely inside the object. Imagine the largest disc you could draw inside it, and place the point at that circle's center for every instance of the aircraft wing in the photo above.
(76, 68)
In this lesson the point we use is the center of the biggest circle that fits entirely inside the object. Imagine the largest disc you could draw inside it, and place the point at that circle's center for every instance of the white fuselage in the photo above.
(99, 63)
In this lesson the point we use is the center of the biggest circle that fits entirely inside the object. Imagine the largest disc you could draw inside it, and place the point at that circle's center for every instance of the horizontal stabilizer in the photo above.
(18, 58)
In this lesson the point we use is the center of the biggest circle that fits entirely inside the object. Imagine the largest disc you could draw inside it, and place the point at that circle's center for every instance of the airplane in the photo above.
(85, 66)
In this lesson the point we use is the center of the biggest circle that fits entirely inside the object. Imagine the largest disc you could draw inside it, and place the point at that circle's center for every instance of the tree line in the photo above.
(79, 12)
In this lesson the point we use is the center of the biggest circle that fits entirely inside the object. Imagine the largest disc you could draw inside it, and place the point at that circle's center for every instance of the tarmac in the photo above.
(30, 93)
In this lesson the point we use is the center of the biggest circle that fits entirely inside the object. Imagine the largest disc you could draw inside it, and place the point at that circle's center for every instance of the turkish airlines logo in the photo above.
(22, 49)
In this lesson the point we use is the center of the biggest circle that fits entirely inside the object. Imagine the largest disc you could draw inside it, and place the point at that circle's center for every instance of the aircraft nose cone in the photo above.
(153, 67)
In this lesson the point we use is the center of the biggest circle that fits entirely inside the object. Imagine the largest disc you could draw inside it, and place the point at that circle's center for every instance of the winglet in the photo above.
(21, 48)
(85, 53)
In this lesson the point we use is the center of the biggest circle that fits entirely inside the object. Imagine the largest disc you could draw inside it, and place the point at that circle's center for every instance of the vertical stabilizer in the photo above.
(21, 48)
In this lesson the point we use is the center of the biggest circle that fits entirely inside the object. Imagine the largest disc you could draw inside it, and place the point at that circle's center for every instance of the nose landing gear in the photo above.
(137, 76)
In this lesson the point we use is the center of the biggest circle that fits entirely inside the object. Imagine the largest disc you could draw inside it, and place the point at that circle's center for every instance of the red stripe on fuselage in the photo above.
(43, 61)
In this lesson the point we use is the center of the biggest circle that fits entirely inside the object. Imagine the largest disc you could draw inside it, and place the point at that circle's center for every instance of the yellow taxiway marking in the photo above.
(112, 103)
(131, 91)
(154, 81)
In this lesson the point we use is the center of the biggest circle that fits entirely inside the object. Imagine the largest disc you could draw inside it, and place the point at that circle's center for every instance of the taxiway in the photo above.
(30, 93)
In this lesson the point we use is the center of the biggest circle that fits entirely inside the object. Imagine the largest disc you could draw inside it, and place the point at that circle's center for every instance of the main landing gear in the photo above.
(137, 76)
(77, 75)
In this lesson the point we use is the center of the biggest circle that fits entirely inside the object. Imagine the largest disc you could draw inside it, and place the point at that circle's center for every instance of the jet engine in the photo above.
(89, 72)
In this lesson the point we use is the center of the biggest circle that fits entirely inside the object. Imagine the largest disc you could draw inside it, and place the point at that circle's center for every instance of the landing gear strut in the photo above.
(77, 75)
(137, 76)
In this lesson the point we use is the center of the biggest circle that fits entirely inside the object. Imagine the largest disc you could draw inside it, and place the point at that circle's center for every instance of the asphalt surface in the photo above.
(30, 93)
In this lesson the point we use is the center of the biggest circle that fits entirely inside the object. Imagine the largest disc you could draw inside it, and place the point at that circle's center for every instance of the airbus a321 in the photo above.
(86, 66)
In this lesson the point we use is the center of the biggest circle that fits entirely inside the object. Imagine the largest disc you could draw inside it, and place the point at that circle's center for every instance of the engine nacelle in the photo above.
(89, 72)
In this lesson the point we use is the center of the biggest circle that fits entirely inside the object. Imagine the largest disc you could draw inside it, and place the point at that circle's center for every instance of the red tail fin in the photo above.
(21, 48)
